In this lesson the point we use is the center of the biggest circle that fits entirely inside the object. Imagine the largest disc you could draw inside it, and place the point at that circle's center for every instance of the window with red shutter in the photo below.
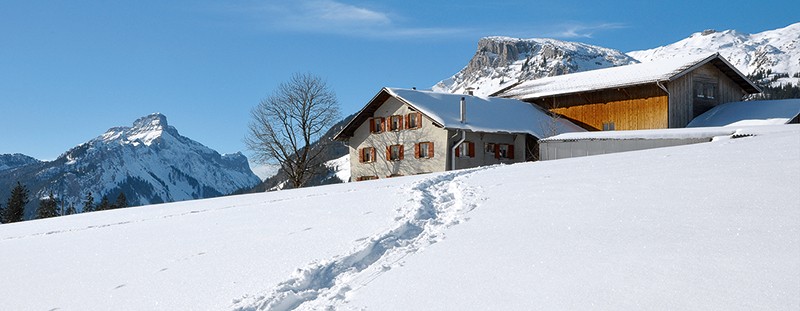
(423, 150)
(413, 120)
(395, 123)
(394, 152)
(377, 125)
(466, 149)
(366, 155)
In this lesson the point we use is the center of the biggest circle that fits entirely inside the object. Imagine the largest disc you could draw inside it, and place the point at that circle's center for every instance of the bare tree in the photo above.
(286, 127)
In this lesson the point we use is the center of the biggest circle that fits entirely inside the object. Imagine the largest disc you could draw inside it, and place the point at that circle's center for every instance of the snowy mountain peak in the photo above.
(145, 130)
(773, 53)
(502, 61)
(149, 162)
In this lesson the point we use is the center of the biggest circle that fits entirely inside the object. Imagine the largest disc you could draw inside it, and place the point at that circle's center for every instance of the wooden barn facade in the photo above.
(654, 95)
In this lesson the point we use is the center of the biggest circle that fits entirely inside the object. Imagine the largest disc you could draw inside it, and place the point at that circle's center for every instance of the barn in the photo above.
(654, 95)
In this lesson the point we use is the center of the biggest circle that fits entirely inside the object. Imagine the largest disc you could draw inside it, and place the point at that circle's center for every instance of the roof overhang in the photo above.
(369, 110)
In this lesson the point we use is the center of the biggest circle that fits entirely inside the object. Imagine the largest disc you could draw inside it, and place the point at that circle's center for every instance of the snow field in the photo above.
(705, 226)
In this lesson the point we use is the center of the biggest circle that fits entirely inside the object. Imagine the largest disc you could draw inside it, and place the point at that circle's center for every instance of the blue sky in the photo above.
(69, 70)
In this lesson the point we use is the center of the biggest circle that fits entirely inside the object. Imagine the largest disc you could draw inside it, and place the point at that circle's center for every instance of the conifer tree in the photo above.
(88, 205)
(70, 209)
(15, 208)
(48, 207)
(122, 201)
(103, 204)
(2, 214)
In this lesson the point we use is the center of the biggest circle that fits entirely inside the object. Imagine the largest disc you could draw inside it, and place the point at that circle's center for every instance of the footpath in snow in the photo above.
(435, 204)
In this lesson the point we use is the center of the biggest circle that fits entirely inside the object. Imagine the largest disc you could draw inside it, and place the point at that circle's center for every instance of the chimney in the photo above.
(463, 110)
(469, 91)
(414, 88)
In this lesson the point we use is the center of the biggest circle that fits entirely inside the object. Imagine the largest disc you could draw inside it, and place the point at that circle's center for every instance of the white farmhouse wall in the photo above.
(382, 167)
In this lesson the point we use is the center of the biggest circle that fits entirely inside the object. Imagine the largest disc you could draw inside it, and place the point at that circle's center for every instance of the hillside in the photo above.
(711, 226)
(149, 161)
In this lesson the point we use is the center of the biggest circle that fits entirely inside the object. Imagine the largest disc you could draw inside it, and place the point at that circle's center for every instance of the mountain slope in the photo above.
(502, 61)
(12, 161)
(653, 229)
(150, 162)
(774, 51)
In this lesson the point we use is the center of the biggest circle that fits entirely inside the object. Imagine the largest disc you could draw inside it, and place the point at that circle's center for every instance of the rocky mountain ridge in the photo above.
(500, 62)
(150, 162)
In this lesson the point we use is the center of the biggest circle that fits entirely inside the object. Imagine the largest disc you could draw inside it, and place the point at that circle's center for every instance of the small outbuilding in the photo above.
(571, 145)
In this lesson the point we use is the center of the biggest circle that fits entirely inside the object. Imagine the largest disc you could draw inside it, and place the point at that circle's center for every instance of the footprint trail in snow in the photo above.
(436, 203)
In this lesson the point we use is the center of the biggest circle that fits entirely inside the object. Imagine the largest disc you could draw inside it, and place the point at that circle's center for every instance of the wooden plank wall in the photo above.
(681, 104)
(633, 108)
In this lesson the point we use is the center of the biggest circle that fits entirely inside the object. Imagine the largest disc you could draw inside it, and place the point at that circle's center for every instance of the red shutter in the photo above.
(388, 153)
(416, 151)
(384, 126)
(361, 155)
(458, 151)
(401, 152)
(510, 151)
(496, 151)
(372, 153)
(419, 120)
(430, 149)
(407, 117)
(471, 147)
(400, 123)
(372, 125)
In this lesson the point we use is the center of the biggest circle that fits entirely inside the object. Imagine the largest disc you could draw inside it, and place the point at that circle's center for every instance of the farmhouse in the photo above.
(407, 131)
(660, 94)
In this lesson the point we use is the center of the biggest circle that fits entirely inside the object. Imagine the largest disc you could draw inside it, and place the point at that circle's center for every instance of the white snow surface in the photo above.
(341, 167)
(485, 114)
(777, 50)
(712, 226)
(760, 112)
(649, 72)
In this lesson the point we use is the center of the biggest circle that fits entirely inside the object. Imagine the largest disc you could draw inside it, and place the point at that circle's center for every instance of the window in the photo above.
(489, 148)
(362, 178)
(466, 150)
(366, 155)
(394, 153)
(413, 120)
(608, 126)
(376, 125)
(705, 90)
(504, 151)
(394, 175)
(423, 150)
(395, 123)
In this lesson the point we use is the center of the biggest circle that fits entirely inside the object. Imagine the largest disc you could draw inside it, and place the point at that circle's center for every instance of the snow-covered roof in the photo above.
(760, 112)
(673, 133)
(624, 76)
(483, 114)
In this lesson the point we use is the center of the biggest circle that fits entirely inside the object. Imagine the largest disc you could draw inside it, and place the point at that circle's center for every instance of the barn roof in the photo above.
(624, 76)
(484, 114)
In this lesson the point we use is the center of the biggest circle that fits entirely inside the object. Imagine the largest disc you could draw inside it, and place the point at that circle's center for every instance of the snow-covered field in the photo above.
(713, 226)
